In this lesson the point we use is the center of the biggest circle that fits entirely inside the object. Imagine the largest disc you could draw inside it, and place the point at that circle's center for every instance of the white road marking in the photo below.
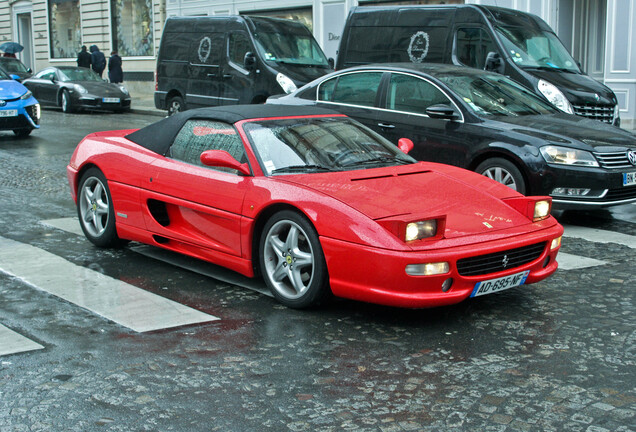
(572, 262)
(12, 342)
(599, 236)
(65, 224)
(113, 299)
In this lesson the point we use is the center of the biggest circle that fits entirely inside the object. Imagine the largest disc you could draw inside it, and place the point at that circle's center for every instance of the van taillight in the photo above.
(156, 81)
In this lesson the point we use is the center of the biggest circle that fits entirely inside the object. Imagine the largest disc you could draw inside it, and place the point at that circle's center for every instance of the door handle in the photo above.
(385, 125)
(227, 76)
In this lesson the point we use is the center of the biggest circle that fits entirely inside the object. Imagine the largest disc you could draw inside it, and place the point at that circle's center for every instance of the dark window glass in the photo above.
(238, 46)
(197, 136)
(357, 88)
(411, 94)
(325, 92)
(473, 45)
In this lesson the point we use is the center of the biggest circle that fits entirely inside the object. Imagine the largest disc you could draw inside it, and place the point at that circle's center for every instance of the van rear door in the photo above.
(204, 71)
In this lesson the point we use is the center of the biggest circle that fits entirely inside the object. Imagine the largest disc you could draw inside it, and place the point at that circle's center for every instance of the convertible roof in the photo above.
(159, 136)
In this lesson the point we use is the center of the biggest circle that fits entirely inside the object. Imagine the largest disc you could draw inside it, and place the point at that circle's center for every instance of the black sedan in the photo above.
(487, 123)
(73, 88)
(13, 66)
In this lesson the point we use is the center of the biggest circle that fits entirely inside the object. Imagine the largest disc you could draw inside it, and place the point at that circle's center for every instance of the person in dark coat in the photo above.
(84, 58)
(115, 72)
(98, 60)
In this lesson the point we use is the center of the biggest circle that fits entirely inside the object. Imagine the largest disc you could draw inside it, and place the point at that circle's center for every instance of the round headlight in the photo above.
(80, 89)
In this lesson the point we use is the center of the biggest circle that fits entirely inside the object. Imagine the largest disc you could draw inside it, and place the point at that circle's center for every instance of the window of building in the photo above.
(132, 27)
(64, 26)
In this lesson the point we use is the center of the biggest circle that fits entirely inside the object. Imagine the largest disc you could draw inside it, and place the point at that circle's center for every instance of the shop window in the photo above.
(132, 27)
(64, 26)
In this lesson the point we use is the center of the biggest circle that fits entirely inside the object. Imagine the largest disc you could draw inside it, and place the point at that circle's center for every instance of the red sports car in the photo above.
(314, 202)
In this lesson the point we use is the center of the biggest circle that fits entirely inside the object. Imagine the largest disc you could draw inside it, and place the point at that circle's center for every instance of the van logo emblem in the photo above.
(418, 48)
(631, 155)
(205, 48)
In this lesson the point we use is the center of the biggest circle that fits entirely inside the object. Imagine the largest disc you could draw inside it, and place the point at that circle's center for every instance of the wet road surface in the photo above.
(559, 355)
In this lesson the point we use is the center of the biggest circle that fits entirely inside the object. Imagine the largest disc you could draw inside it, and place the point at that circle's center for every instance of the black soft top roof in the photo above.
(159, 136)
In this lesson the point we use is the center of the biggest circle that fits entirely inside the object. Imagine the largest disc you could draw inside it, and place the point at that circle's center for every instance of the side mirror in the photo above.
(406, 145)
(332, 62)
(494, 63)
(29, 70)
(53, 79)
(441, 111)
(249, 61)
(221, 158)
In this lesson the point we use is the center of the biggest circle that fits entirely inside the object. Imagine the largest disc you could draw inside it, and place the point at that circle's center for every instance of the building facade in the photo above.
(601, 34)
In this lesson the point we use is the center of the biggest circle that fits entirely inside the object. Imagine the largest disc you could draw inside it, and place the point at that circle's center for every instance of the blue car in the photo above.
(19, 110)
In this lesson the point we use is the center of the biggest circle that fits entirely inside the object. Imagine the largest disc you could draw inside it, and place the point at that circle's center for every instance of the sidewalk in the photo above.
(145, 104)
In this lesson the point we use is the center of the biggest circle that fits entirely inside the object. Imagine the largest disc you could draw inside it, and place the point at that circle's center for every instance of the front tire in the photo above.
(292, 261)
(95, 210)
(21, 133)
(67, 106)
(504, 172)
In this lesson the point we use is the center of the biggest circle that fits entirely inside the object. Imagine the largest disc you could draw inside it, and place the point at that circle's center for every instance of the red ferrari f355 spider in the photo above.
(313, 202)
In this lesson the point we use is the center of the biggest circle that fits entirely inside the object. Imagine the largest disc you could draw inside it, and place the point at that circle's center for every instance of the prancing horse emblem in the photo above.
(505, 261)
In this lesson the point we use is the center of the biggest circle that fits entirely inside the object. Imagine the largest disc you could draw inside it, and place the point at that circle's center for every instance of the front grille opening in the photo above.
(499, 261)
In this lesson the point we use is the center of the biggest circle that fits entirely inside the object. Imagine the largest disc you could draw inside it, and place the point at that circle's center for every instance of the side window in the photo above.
(325, 92)
(411, 94)
(473, 45)
(238, 46)
(197, 136)
(357, 88)
(46, 74)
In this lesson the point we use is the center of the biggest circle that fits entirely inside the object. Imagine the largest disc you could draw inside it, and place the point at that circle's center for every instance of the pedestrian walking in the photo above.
(84, 58)
(98, 60)
(115, 72)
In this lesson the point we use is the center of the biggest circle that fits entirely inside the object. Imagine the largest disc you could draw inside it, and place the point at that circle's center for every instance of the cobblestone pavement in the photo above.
(559, 355)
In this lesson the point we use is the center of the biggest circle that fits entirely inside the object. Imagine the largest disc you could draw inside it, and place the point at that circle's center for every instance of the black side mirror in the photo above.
(332, 62)
(249, 61)
(53, 79)
(442, 111)
(29, 70)
(494, 63)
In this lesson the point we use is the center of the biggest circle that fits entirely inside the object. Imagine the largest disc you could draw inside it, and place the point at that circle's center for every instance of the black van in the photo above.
(209, 61)
(517, 44)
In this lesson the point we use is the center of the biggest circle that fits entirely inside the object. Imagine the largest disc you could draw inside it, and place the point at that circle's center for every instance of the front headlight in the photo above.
(568, 156)
(286, 83)
(421, 229)
(541, 210)
(80, 89)
(27, 95)
(124, 90)
(555, 96)
(616, 112)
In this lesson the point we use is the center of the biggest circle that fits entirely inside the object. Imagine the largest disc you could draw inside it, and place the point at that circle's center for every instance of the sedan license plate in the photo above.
(9, 113)
(629, 179)
(499, 284)
(110, 100)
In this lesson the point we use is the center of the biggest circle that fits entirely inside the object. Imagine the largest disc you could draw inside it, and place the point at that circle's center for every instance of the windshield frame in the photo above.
(559, 58)
(312, 135)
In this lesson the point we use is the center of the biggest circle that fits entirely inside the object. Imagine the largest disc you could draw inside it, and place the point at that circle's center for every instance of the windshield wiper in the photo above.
(550, 68)
(301, 168)
(376, 160)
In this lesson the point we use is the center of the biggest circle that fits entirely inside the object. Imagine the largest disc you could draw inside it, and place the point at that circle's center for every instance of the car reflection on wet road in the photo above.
(558, 355)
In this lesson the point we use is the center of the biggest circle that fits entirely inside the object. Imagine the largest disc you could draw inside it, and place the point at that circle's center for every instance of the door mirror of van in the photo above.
(494, 63)
(221, 158)
(442, 111)
(249, 61)
(331, 62)
(406, 145)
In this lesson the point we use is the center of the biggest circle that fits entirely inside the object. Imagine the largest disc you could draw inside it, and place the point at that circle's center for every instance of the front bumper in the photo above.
(101, 103)
(378, 275)
(27, 115)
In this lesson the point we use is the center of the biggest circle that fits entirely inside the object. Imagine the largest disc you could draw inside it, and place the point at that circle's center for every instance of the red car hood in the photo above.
(421, 192)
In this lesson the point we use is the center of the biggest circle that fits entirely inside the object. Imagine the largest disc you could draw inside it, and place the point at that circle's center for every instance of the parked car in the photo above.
(516, 44)
(315, 203)
(19, 110)
(73, 88)
(487, 123)
(13, 66)
(210, 61)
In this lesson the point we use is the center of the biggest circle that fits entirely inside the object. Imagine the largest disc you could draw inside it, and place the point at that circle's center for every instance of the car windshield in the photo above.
(534, 48)
(496, 95)
(319, 145)
(4, 76)
(79, 74)
(291, 44)
(13, 65)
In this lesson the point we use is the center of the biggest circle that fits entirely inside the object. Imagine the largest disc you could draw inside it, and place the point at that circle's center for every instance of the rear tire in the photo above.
(176, 104)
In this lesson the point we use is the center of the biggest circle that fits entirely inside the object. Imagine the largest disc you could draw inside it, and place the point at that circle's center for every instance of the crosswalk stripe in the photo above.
(113, 299)
(13, 343)
(572, 262)
(599, 236)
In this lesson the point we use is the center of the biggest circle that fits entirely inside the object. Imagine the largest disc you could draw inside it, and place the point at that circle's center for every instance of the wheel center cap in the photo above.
(289, 259)
(94, 207)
